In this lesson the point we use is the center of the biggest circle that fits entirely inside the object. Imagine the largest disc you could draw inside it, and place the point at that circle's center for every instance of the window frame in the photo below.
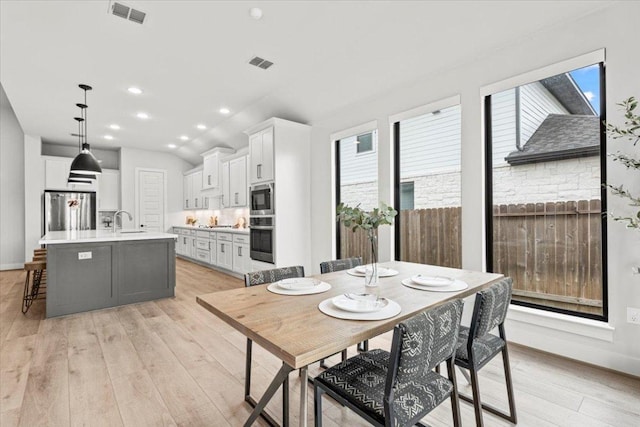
(373, 145)
(593, 58)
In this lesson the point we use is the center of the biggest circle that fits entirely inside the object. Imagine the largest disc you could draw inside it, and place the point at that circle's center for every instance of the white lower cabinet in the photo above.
(213, 258)
(224, 246)
(241, 258)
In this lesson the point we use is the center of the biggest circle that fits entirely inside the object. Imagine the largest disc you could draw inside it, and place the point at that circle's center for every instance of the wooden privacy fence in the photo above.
(553, 250)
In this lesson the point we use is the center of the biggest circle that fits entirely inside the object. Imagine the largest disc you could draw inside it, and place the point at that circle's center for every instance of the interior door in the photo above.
(150, 193)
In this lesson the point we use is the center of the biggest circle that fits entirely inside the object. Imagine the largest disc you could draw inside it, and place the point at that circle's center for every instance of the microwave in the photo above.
(262, 199)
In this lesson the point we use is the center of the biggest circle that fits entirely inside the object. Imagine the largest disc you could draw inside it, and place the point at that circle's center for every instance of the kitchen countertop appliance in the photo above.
(69, 210)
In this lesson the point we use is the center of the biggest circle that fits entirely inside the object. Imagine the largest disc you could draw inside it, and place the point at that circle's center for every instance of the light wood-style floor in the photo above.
(171, 363)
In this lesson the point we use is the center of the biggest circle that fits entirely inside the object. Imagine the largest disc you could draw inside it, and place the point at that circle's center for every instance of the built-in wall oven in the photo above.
(262, 199)
(262, 238)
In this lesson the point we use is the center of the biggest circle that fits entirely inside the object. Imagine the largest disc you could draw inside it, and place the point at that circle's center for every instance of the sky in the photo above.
(588, 80)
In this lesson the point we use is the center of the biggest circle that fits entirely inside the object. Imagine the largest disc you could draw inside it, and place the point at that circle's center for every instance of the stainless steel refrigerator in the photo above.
(69, 210)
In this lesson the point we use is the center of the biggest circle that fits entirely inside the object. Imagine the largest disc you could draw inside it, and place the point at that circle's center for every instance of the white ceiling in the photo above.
(191, 58)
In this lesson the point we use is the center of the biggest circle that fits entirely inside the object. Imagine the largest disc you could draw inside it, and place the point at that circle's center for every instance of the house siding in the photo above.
(503, 125)
(536, 104)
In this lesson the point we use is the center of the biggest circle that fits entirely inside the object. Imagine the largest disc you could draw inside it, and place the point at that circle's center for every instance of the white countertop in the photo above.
(215, 229)
(91, 236)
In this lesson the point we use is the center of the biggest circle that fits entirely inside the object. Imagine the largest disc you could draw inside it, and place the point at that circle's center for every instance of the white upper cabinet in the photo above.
(261, 155)
(56, 174)
(226, 189)
(238, 182)
(211, 167)
(109, 190)
(187, 190)
(196, 194)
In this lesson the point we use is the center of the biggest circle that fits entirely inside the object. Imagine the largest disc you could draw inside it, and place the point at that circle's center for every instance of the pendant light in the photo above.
(76, 178)
(85, 163)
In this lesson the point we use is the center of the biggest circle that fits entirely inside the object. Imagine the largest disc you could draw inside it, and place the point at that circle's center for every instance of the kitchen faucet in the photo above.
(116, 214)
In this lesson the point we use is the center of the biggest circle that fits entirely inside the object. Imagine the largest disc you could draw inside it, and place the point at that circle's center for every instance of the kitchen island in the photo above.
(92, 269)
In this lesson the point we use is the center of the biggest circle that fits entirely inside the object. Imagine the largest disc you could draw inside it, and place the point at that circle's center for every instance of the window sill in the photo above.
(561, 322)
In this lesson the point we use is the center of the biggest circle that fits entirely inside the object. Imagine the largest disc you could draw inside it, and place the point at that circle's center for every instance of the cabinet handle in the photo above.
(208, 179)
(193, 243)
(222, 247)
(260, 171)
(184, 240)
(239, 250)
(186, 202)
(236, 198)
(196, 200)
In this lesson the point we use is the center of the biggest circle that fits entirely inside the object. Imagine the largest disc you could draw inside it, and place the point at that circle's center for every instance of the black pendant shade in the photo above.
(84, 166)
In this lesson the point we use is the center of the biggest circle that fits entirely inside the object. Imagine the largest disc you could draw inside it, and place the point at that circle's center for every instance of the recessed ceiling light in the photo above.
(135, 90)
(201, 127)
(184, 138)
(171, 145)
(114, 126)
(224, 110)
(142, 115)
(255, 13)
(109, 137)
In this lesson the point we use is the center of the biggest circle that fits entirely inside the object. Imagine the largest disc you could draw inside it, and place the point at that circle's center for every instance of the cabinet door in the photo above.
(238, 182)
(210, 172)
(266, 171)
(108, 190)
(225, 255)
(226, 190)
(241, 259)
(186, 192)
(197, 190)
(255, 152)
(212, 253)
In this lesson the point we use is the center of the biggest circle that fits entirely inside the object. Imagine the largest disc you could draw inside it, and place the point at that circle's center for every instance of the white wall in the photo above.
(11, 187)
(611, 28)
(130, 159)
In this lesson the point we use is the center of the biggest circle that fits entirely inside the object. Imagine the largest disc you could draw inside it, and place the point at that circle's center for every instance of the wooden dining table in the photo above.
(294, 330)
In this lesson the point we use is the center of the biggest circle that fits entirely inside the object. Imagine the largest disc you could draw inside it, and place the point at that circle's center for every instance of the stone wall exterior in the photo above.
(563, 180)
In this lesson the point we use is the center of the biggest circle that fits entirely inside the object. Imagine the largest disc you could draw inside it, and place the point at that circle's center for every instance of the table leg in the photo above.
(303, 396)
(282, 374)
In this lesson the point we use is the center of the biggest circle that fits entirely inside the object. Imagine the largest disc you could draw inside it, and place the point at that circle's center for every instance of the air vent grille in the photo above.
(260, 63)
(119, 9)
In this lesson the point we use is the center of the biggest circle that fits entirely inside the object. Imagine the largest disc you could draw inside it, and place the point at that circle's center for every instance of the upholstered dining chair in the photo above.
(340, 265)
(259, 278)
(399, 388)
(477, 346)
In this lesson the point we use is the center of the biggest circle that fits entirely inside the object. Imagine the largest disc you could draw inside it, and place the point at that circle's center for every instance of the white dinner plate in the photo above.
(391, 310)
(360, 303)
(276, 289)
(432, 280)
(298, 283)
(457, 285)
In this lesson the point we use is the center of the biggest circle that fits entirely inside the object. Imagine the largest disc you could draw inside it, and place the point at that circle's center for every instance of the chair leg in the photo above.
(507, 375)
(247, 370)
(344, 354)
(363, 346)
(285, 401)
(317, 405)
(477, 404)
(455, 403)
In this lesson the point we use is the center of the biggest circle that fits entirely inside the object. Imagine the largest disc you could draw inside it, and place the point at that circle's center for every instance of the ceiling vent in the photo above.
(260, 63)
(126, 12)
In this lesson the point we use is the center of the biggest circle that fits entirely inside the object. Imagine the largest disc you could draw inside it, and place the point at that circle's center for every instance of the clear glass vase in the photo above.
(371, 272)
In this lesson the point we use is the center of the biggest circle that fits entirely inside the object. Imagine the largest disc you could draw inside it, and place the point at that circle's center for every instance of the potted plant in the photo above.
(356, 218)
(630, 130)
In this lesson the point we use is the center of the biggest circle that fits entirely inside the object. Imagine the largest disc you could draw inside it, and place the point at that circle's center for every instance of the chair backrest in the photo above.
(419, 344)
(339, 264)
(490, 308)
(273, 275)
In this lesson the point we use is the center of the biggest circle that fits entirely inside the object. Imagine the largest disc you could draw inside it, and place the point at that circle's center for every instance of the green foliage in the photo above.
(356, 218)
(630, 130)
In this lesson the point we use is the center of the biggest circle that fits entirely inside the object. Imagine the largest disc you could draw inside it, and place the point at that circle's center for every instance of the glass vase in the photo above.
(371, 272)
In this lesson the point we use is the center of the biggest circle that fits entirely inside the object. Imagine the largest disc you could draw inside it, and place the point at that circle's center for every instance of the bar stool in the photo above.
(36, 280)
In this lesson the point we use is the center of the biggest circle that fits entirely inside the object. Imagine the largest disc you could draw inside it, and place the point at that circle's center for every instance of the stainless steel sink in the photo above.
(132, 231)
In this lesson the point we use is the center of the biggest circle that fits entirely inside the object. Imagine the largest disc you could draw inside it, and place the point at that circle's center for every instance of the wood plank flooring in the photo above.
(171, 363)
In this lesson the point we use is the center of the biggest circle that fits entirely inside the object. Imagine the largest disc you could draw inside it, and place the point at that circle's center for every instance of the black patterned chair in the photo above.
(260, 278)
(399, 388)
(340, 265)
(477, 346)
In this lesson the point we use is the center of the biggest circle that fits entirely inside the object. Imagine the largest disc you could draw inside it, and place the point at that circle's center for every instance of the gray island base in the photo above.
(89, 271)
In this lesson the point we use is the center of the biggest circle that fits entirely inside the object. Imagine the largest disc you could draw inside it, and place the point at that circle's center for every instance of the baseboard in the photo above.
(17, 266)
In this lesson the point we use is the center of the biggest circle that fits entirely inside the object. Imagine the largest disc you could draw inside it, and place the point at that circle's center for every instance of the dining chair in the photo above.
(399, 388)
(259, 278)
(340, 265)
(477, 346)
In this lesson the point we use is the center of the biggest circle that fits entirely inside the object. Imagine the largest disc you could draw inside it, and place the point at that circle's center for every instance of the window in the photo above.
(545, 145)
(428, 187)
(364, 143)
(406, 195)
(356, 184)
